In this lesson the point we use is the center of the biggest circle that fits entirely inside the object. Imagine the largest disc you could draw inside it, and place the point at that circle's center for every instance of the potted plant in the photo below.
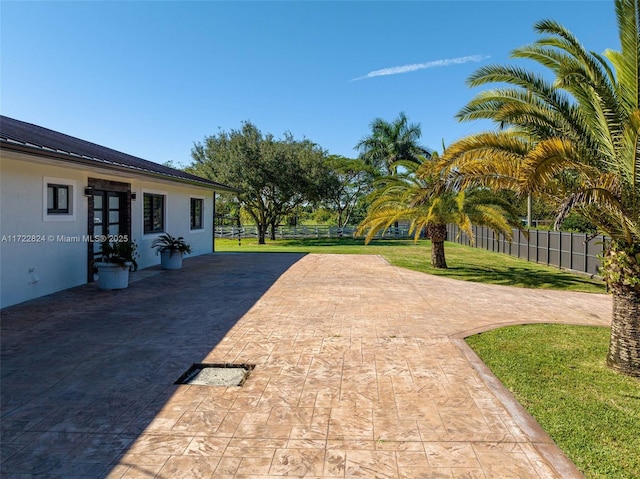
(116, 261)
(171, 250)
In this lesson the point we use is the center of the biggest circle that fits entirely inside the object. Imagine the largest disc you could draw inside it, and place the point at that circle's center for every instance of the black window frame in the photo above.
(55, 208)
(196, 217)
(156, 203)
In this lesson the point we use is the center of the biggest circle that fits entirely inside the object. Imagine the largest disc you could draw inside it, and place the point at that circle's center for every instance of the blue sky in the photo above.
(151, 78)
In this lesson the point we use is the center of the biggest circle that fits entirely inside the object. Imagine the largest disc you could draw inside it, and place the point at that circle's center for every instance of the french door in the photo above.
(109, 216)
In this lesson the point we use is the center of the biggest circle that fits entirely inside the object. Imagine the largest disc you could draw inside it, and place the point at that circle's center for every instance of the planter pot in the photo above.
(112, 276)
(170, 261)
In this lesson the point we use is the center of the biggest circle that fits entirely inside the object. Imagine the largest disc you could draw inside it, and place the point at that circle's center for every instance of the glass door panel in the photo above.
(110, 216)
(107, 217)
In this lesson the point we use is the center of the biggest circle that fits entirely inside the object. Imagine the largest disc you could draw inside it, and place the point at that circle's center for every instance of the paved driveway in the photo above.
(360, 372)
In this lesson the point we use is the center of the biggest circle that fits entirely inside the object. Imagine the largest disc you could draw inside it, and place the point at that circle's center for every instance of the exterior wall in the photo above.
(40, 255)
(177, 219)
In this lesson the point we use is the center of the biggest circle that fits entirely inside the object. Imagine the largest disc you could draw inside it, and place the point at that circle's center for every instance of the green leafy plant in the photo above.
(166, 242)
(123, 253)
(621, 267)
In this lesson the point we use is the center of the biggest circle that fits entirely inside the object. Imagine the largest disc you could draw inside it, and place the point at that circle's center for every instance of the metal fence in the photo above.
(574, 251)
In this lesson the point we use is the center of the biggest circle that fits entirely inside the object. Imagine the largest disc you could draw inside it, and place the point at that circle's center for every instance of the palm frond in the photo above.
(545, 161)
(627, 61)
(491, 159)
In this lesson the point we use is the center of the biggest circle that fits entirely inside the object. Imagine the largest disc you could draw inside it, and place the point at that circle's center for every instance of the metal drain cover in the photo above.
(216, 374)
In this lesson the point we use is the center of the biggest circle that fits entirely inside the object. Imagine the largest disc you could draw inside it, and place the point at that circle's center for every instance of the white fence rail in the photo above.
(293, 232)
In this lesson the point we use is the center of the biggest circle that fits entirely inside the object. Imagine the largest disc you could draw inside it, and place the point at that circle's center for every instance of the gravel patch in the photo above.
(204, 375)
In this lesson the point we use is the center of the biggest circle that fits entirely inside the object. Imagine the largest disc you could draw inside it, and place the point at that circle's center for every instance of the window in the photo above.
(57, 199)
(196, 213)
(153, 213)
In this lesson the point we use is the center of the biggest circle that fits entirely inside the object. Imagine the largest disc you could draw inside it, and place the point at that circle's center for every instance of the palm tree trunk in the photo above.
(624, 345)
(437, 255)
(621, 270)
(437, 233)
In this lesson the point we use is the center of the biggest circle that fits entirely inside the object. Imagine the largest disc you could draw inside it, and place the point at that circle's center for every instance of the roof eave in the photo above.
(97, 162)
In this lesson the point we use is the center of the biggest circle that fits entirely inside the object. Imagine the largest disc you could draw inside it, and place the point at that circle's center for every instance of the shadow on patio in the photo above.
(84, 371)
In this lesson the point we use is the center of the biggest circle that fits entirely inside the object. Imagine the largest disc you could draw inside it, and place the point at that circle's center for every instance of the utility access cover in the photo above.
(216, 374)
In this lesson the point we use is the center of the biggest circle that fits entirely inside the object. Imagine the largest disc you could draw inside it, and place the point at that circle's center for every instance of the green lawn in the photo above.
(558, 373)
(465, 263)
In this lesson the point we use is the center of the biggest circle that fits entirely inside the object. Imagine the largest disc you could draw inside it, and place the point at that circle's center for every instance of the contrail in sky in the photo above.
(421, 66)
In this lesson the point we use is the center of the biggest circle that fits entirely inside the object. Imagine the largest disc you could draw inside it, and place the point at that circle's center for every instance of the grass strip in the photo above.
(558, 374)
(465, 263)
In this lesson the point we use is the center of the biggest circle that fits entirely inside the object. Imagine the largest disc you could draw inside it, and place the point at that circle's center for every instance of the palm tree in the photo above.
(575, 140)
(416, 194)
(389, 143)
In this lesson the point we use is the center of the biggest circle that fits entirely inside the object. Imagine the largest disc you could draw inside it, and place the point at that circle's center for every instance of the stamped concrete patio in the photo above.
(360, 372)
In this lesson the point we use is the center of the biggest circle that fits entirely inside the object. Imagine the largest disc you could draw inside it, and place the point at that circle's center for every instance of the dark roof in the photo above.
(28, 138)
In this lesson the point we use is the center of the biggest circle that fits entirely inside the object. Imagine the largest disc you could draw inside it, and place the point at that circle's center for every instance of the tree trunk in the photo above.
(624, 345)
(437, 255)
(262, 233)
(273, 226)
(437, 233)
(621, 270)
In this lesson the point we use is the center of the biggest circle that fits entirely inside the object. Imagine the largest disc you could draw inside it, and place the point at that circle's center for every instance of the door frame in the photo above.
(108, 186)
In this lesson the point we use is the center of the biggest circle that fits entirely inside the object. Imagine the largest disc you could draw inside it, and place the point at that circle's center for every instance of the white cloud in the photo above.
(421, 66)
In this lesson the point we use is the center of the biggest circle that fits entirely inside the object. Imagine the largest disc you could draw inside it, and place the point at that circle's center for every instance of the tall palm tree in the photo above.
(576, 140)
(416, 194)
(390, 142)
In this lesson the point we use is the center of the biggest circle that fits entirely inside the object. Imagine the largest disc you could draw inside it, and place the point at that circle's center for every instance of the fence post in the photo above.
(560, 250)
(586, 251)
(570, 250)
(604, 250)
(529, 244)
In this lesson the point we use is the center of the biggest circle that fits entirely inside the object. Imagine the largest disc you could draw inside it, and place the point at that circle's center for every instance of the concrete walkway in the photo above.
(360, 372)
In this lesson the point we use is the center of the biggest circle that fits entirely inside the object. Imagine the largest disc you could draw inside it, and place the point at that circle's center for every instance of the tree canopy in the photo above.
(574, 140)
(390, 142)
(273, 176)
(349, 180)
(417, 194)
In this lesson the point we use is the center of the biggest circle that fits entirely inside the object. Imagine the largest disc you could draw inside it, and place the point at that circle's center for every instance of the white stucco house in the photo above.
(58, 193)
